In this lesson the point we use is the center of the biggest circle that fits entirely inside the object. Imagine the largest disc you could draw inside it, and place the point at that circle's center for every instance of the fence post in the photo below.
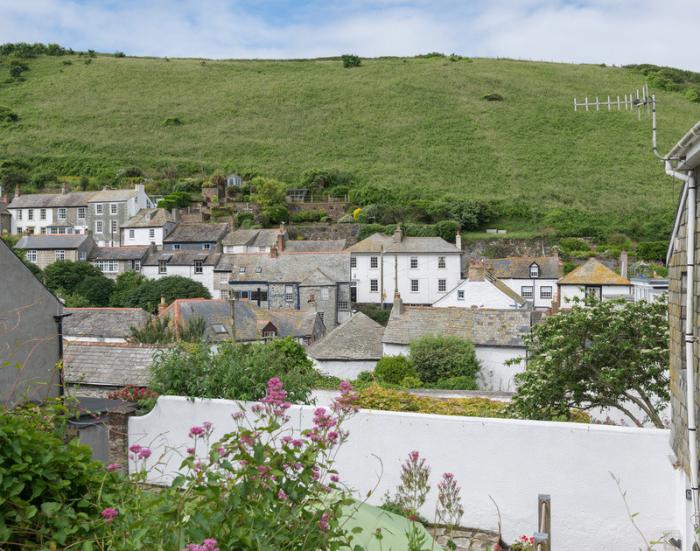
(543, 536)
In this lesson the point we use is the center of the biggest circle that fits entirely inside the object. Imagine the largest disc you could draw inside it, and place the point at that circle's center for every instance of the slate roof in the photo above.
(113, 195)
(314, 245)
(103, 322)
(184, 257)
(252, 238)
(108, 364)
(285, 268)
(50, 200)
(518, 267)
(359, 338)
(39, 242)
(149, 218)
(593, 272)
(484, 327)
(375, 242)
(197, 233)
(132, 252)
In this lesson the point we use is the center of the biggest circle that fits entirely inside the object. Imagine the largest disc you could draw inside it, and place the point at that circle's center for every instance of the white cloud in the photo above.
(594, 31)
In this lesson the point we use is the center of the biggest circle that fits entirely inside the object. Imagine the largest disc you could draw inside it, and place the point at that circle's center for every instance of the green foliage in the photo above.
(7, 114)
(148, 293)
(23, 49)
(96, 289)
(598, 354)
(394, 369)
(456, 383)
(317, 180)
(235, 371)
(572, 244)
(308, 216)
(493, 97)
(268, 192)
(442, 357)
(172, 121)
(375, 312)
(177, 199)
(125, 284)
(119, 54)
(66, 275)
(652, 250)
(350, 60)
(156, 331)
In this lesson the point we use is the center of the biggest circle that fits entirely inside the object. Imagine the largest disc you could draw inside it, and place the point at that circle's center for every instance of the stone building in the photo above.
(52, 213)
(109, 209)
(195, 237)
(44, 250)
(113, 261)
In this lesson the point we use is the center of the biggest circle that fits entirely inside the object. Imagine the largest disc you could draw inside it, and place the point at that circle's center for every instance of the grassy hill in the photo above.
(417, 126)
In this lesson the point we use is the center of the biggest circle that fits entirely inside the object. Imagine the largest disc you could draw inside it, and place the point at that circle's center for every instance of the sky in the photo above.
(614, 32)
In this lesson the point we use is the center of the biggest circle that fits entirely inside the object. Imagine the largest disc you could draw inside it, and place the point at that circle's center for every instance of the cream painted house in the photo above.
(481, 290)
(193, 264)
(593, 280)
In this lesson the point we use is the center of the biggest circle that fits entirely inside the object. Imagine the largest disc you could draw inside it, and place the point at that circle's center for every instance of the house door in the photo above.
(353, 291)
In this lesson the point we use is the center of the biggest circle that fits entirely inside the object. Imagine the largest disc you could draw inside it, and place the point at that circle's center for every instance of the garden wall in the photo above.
(510, 460)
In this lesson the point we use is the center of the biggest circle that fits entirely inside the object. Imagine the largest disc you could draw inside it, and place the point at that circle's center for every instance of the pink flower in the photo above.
(196, 431)
(238, 415)
(135, 448)
(221, 451)
(297, 443)
(145, 453)
(323, 522)
(113, 467)
(335, 478)
(281, 495)
(109, 514)
(208, 426)
(190, 451)
(413, 456)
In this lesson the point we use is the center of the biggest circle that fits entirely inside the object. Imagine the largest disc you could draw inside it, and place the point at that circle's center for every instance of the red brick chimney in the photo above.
(162, 307)
(273, 251)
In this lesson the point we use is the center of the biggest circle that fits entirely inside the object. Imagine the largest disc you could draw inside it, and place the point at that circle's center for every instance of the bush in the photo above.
(573, 244)
(147, 293)
(394, 369)
(172, 121)
(308, 216)
(67, 275)
(7, 114)
(119, 54)
(375, 312)
(652, 250)
(493, 97)
(456, 383)
(438, 357)
(346, 219)
(351, 60)
(97, 290)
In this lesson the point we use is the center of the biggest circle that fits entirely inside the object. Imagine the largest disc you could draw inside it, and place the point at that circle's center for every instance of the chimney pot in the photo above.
(162, 307)
(458, 240)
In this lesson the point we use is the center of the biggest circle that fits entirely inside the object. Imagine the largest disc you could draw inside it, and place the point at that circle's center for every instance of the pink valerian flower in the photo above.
(449, 506)
(275, 399)
(208, 427)
(297, 443)
(210, 544)
(221, 451)
(413, 456)
(315, 473)
(196, 431)
(109, 514)
(322, 420)
(335, 478)
(323, 522)
(145, 453)
(113, 467)
(346, 403)
(282, 495)
(135, 448)
(238, 415)
(190, 451)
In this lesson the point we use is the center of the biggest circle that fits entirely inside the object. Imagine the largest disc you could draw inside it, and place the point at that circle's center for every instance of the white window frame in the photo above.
(98, 226)
(442, 285)
(325, 293)
(151, 233)
(343, 305)
(289, 293)
(534, 271)
(136, 265)
(115, 226)
(60, 254)
(198, 267)
(162, 266)
(373, 262)
(460, 294)
(414, 263)
(113, 208)
(108, 266)
(415, 286)
(81, 213)
(527, 292)
(82, 255)
(19, 214)
(548, 295)
(31, 255)
(62, 213)
(132, 234)
(42, 214)
(373, 285)
(441, 262)
(30, 214)
(353, 262)
(99, 208)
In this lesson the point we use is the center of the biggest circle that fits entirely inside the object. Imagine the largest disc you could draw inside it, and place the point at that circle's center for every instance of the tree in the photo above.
(607, 354)
(126, 283)
(439, 357)
(351, 60)
(268, 192)
(394, 369)
(66, 275)
(147, 295)
(96, 289)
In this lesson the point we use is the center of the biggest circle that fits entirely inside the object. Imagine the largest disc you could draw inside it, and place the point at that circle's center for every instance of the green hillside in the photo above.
(418, 127)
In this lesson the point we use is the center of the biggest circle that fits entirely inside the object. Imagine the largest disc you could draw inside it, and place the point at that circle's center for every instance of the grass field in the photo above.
(410, 124)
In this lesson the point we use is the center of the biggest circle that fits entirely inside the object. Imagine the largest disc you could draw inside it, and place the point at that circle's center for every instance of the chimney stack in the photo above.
(175, 214)
(280, 238)
(162, 307)
(477, 270)
(397, 308)
(458, 240)
(140, 188)
(623, 264)
(17, 191)
(273, 251)
(398, 234)
(63, 188)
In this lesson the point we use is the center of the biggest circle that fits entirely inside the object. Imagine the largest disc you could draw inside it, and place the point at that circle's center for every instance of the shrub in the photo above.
(148, 293)
(493, 97)
(394, 369)
(97, 289)
(346, 219)
(439, 357)
(67, 275)
(456, 383)
(119, 54)
(375, 312)
(7, 114)
(351, 60)
(172, 121)
(411, 382)
(307, 216)
(573, 244)
(652, 250)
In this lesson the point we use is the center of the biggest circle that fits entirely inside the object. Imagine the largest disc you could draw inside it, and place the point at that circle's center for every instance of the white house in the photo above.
(497, 336)
(254, 241)
(595, 280)
(351, 348)
(424, 268)
(481, 290)
(196, 265)
(649, 289)
(49, 213)
(533, 278)
(147, 227)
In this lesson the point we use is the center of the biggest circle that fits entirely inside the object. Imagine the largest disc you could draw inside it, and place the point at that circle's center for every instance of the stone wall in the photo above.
(334, 209)
(349, 232)
(503, 247)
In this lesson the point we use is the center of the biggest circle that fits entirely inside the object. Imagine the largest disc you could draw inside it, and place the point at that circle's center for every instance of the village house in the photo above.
(244, 322)
(497, 336)
(481, 289)
(263, 240)
(5, 216)
(103, 324)
(31, 320)
(533, 278)
(110, 208)
(318, 282)
(197, 265)
(593, 279)
(49, 213)
(424, 268)
(195, 237)
(349, 349)
(44, 250)
(113, 261)
(148, 227)
(649, 289)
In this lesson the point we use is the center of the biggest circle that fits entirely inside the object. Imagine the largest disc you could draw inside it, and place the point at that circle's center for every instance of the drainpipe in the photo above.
(59, 323)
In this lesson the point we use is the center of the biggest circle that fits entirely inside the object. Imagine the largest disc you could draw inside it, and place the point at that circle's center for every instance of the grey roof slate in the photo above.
(518, 267)
(252, 238)
(285, 268)
(484, 327)
(314, 245)
(108, 364)
(103, 322)
(68, 241)
(375, 242)
(185, 257)
(149, 218)
(50, 200)
(359, 338)
(197, 233)
(132, 252)
(113, 195)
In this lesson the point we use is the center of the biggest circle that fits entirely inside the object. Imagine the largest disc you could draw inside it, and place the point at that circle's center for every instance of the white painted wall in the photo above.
(569, 292)
(142, 236)
(538, 301)
(244, 249)
(344, 369)
(206, 278)
(477, 294)
(428, 274)
(646, 291)
(73, 338)
(511, 460)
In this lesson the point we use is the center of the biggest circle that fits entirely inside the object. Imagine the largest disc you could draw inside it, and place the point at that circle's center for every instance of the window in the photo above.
(60, 255)
(460, 295)
(62, 214)
(19, 214)
(30, 214)
(151, 233)
(162, 266)
(373, 262)
(19, 230)
(61, 230)
(353, 262)
(136, 265)
(526, 291)
(113, 208)
(258, 269)
(243, 294)
(241, 270)
(325, 293)
(176, 246)
(132, 234)
(258, 295)
(373, 285)
(343, 305)
(546, 292)
(593, 292)
(98, 226)
(414, 262)
(206, 246)
(108, 266)
(534, 270)
(198, 267)
(42, 214)
(414, 285)
(442, 285)
(81, 213)
(269, 334)
(43, 231)
(99, 208)
(83, 255)
(225, 294)
(114, 226)
(288, 293)
(441, 262)
(31, 256)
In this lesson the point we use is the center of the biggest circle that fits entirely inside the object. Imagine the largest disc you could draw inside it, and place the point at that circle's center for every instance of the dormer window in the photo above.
(534, 270)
